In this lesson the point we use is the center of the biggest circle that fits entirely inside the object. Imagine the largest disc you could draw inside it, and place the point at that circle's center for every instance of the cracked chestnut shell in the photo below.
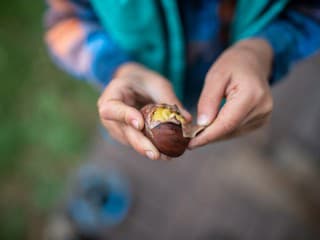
(167, 128)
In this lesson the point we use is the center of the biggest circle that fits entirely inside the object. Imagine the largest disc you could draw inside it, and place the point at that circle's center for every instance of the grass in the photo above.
(46, 121)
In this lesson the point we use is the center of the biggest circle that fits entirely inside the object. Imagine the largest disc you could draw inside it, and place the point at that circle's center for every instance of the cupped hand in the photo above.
(132, 87)
(240, 76)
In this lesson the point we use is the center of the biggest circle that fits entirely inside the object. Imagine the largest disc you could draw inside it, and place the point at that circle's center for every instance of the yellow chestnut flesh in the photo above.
(162, 114)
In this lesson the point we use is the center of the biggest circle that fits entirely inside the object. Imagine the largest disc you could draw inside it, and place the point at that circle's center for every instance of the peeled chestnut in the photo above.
(167, 129)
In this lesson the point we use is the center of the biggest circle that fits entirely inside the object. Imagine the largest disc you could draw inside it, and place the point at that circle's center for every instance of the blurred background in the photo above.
(263, 186)
(46, 121)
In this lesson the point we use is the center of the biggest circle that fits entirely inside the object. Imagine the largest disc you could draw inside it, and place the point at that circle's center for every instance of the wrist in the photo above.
(258, 45)
(261, 53)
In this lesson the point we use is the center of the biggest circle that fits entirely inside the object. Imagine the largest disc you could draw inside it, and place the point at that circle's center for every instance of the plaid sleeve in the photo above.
(295, 35)
(77, 42)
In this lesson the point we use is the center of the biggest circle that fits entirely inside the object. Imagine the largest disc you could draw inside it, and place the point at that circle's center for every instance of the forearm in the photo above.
(80, 46)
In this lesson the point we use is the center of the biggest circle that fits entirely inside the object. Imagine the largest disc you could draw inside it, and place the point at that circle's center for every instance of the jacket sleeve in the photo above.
(78, 44)
(294, 35)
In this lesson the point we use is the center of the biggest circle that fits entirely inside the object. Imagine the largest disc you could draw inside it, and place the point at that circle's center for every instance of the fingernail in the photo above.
(135, 124)
(150, 154)
(203, 120)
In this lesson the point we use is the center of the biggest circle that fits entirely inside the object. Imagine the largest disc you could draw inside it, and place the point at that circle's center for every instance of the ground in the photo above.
(264, 185)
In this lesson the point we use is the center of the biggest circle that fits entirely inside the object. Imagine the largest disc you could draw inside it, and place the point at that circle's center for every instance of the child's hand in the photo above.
(241, 76)
(132, 88)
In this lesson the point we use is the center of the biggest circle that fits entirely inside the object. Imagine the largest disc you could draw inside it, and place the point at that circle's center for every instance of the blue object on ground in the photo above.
(100, 201)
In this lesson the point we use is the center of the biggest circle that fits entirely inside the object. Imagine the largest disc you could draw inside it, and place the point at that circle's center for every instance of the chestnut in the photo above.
(167, 129)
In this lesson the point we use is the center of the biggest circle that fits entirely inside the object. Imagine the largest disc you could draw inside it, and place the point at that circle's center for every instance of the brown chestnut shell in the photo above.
(170, 137)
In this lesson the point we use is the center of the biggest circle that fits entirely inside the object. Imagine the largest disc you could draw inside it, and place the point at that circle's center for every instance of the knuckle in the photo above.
(100, 111)
(268, 106)
(126, 116)
(268, 110)
(99, 102)
(121, 114)
(228, 125)
(258, 94)
(217, 74)
(206, 140)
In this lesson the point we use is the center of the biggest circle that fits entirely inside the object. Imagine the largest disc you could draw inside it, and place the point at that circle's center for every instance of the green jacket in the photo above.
(138, 27)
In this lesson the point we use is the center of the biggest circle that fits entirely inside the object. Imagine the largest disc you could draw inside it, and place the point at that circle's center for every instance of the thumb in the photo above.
(211, 97)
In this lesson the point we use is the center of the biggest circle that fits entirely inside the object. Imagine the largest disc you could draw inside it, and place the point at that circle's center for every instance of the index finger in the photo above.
(116, 110)
(229, 118)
